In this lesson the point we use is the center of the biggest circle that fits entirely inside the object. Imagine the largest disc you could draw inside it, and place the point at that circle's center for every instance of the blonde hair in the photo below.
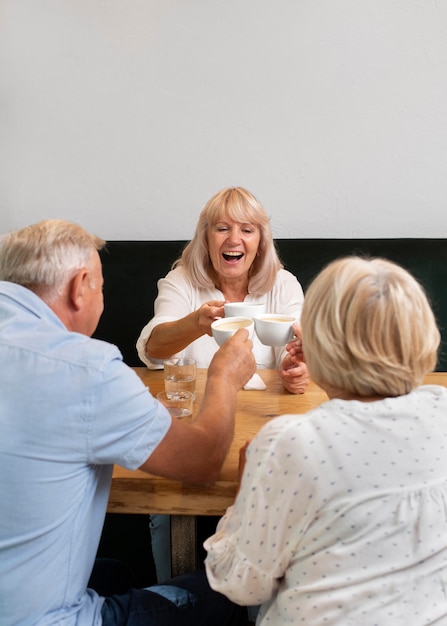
(368, 328)
(44, 256)
(240, 205)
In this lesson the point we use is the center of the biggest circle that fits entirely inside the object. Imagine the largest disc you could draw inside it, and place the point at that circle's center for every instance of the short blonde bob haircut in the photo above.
(43, 257)
(238, 204)
(368, 328)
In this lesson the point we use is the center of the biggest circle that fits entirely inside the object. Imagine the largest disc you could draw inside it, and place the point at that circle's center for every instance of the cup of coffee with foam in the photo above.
(225, 327)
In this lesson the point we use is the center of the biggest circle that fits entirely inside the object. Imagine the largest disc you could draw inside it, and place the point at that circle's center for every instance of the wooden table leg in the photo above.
(184, 557)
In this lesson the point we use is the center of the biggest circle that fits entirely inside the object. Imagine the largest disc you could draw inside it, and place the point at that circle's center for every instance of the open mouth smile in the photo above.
(232, 256)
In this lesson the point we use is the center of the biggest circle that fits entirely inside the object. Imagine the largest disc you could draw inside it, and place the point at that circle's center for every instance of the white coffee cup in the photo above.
(225, 327)
(244, 309)
(274, 329)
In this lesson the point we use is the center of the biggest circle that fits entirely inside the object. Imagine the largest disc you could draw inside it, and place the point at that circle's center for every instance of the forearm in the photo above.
(171, 337)
(196, 452)
(216, 420)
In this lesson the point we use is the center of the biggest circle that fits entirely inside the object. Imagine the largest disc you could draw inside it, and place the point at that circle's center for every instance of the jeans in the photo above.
(186, 600)
(160, 529)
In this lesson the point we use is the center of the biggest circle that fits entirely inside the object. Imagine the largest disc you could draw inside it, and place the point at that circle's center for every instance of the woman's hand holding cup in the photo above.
(208, 313)
(293, 369)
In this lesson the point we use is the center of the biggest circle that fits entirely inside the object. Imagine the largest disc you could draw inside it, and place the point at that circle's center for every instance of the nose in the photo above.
(234, 235)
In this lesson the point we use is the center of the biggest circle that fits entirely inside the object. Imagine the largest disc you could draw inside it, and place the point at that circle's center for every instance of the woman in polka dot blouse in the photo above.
(341, 517)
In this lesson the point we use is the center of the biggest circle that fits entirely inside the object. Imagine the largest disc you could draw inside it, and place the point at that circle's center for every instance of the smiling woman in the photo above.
(237, 216)
(232, 248)
(231, 258)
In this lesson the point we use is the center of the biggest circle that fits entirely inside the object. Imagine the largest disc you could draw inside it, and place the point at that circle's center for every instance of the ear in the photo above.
(76, 289)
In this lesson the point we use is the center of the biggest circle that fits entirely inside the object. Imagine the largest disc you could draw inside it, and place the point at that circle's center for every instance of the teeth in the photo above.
(233, 253)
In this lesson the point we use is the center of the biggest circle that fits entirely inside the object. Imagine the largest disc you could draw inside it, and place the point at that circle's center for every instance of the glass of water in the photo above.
(180, 375)
(179, 405)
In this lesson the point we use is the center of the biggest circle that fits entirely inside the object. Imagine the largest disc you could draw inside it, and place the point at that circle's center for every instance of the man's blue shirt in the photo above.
(69, 409)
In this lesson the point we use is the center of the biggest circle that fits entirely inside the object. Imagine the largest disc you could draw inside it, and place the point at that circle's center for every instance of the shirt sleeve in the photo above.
(258, 536)
(172, 303)
(126, 422)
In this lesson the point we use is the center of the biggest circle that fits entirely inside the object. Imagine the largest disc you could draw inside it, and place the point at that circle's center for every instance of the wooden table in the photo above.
(139, 492)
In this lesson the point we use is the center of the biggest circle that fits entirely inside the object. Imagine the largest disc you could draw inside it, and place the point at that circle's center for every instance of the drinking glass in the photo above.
(180, 375)
(178, 404)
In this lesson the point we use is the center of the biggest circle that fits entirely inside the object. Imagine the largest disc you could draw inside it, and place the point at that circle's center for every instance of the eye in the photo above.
(222, 228)
(249, 229)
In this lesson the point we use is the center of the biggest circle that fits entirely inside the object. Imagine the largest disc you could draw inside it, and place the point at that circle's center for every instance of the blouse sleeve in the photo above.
(172, 303)
(256, 539)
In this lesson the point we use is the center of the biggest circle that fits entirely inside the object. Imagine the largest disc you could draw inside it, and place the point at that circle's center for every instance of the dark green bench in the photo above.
(132, 269)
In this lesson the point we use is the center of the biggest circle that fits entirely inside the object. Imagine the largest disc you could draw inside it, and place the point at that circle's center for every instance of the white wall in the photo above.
(127, 115)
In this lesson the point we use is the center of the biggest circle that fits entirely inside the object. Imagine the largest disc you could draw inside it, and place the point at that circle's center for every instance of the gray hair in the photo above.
(44, 256)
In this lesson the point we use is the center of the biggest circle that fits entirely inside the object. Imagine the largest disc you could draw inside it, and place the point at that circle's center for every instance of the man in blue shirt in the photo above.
(70, 409)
